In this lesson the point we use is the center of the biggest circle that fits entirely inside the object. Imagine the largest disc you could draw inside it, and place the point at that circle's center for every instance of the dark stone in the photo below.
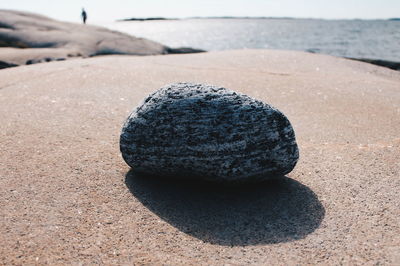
(6, 65)
(383, 63)
(201, 131)
(33, 61)
(183, 50)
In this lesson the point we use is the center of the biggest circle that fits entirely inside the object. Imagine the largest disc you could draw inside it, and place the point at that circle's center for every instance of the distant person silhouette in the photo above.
(84, 16)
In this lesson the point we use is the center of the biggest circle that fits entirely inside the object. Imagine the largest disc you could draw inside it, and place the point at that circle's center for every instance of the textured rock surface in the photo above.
(202, 131)
(63, 183)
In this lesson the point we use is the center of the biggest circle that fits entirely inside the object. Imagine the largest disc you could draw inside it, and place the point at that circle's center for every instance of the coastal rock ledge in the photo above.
(197, 131)
(27, 38)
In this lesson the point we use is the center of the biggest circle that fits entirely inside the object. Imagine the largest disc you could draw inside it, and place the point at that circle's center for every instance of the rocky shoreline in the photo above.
(27, 38)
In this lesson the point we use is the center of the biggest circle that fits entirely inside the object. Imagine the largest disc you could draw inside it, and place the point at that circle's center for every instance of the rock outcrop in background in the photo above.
(32, 38)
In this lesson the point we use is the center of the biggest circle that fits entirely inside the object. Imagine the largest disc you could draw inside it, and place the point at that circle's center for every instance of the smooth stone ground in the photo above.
(67, 196)
(200, 131)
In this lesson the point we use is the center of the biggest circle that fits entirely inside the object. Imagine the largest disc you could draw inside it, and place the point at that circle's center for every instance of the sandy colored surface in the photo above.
(67, 197)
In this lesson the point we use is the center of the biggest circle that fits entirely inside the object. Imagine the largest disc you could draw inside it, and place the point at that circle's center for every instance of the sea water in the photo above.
(372, 39)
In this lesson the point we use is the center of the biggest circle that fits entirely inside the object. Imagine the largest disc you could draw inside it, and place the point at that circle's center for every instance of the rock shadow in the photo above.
(276, 211)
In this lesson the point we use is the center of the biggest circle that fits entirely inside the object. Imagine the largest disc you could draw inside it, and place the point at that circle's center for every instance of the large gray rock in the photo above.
(201, 131)
(37, 38)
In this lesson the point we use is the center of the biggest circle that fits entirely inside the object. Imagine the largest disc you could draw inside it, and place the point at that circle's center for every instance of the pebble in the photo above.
(198, 131)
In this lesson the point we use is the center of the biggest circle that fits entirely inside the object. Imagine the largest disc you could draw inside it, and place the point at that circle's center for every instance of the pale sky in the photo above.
(102, 11)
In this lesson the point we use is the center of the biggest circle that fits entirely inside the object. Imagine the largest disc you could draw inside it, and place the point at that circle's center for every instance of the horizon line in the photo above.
(249, 17)
(210, 17)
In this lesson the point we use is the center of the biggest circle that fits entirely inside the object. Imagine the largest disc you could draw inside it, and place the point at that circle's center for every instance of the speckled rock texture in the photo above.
(67, 197)
(199, 131)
